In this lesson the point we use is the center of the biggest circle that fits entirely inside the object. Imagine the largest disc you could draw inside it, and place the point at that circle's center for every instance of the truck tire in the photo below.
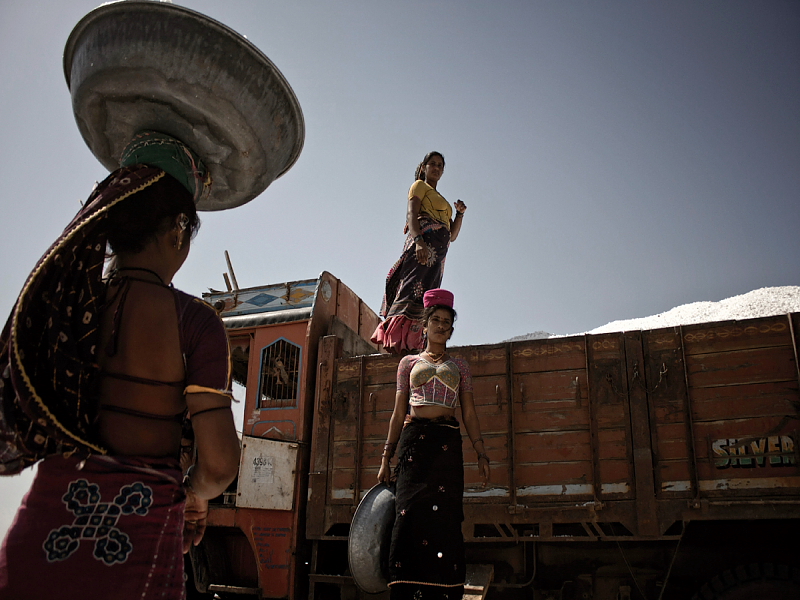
(755, 581)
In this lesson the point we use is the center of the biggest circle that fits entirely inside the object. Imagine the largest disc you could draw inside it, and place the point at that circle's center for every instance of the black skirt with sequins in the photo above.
(427, 550)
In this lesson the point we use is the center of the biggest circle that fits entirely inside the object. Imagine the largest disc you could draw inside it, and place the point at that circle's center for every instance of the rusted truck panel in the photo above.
(628, 437)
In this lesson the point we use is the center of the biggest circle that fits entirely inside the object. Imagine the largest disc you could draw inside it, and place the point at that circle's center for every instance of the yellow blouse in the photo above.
(433, 203)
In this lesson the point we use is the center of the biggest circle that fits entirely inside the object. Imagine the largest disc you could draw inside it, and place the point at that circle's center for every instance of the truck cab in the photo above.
(254, 544)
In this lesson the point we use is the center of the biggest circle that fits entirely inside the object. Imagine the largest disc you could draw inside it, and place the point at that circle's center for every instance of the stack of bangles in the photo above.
(388, 450)
(481, 455)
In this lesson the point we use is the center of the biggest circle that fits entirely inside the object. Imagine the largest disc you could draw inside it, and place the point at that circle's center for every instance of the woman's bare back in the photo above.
(142, 390)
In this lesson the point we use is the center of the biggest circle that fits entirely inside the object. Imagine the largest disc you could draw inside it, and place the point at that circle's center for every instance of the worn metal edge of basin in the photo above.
(370, 535)
(133, 65)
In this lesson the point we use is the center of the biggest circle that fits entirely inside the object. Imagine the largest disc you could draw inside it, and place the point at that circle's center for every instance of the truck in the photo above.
(658, 464)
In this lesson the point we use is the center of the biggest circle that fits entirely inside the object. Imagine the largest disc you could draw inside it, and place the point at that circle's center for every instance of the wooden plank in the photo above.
(477, 581)
(663, 374)
(604, 347)
(741, 367)
(641, 442)
(611, 415)
(616, 472)
(342, 483)
(490, 391)
(347, 368)
(343, 454)
(318, 482)
(736, 335)
(535, 356)
(673, 477)
(496, 448)
(673, 413)
(740, 428)
(377, 409)
(348, 306)
(672, 442)
(607, 402)
(748, 400)
(553, 447)
(499, 475)
(557, 420)
(381, 370)
(612, 444)
(552, 390)
(483, 360)
(549, 473)
(345, 406)
(491, 403)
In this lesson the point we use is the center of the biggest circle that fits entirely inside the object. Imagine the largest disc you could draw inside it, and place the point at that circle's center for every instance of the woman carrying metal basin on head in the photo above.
(106, 367)
(130, 357)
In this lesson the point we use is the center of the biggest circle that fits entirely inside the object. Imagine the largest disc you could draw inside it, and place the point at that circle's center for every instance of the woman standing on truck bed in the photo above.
(426, 559)
(99, 378)
(431, 227)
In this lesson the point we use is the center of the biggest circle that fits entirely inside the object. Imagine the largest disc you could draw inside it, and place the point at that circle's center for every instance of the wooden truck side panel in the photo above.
(592, 437)
(741, 381)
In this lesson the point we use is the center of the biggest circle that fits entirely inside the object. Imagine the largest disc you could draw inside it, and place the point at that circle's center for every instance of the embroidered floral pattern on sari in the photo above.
(96, 520)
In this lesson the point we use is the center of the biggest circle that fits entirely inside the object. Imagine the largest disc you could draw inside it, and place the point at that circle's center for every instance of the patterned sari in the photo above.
(407, 281)
(102, 527)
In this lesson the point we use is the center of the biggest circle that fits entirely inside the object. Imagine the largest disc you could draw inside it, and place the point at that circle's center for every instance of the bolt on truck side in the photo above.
(655, 464)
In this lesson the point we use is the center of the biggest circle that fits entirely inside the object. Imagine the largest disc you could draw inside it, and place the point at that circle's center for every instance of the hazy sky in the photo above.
(618, 158)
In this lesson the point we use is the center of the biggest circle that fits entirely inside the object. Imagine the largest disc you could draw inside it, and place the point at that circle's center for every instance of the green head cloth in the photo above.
(173, 156)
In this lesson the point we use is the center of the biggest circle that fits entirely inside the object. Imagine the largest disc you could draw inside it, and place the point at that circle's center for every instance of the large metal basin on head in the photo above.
(135, 65)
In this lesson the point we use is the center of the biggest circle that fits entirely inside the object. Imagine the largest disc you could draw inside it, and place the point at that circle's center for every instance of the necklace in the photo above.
(142, 269)
(435, 357)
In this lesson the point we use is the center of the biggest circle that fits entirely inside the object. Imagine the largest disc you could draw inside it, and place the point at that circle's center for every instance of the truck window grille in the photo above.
(280, 375)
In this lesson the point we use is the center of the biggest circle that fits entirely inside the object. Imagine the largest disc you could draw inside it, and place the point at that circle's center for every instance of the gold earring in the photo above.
(178, 242)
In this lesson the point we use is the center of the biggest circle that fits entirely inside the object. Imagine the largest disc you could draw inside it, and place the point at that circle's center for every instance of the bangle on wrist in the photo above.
(388, 450)
(459, 214)
(187, 479)
(418, 238)
(481, 455)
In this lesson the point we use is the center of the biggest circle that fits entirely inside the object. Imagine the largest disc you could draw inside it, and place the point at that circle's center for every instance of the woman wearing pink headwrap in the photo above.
(431, 225)
(426, 558)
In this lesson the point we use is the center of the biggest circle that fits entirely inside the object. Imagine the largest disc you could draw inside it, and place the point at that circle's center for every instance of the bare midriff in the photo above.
(428, 411)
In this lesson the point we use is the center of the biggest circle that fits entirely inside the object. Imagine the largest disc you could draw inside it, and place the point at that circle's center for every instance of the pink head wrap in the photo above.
(437, 297)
